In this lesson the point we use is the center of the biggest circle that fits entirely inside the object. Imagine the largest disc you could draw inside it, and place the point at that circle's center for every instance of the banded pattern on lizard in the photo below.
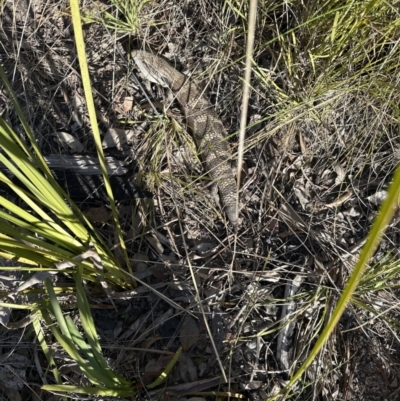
(207, 128)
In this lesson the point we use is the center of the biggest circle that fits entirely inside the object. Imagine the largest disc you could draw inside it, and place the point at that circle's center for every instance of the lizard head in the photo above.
(156, 69)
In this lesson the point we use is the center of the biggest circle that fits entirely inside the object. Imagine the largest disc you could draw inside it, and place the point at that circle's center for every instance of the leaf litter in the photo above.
(307, 201)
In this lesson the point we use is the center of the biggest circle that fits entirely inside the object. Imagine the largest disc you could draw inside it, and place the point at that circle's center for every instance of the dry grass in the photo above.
(321, 144)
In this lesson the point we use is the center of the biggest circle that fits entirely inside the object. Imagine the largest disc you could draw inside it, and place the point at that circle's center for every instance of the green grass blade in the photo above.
(80, 46)
(101, 391)
(42, 342)
(378, 228)
(25, 124)
(94, 366)
(41, 246)
(56, 310)
(46, 194)
(26, 221)
(23, 195)
(80, 342)
(164, 374)
(90, 329)
(69, 347)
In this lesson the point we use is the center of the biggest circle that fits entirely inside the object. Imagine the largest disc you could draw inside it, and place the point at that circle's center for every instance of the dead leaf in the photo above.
(69, 140)
(161, 273)
(127, 103)
(85, 164)
(285, 344)
(253, 385)
(187, 368)
(205, 248)
(202, 385)
(5, 314)
(116, 137)
(12, 371)
(218, 328)
(341, 174)
(154, 368)
(377, 198)
(189, 333)
(11, 394)
(97, 214)
(139, 262)
(302, 196)
(155, 243)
